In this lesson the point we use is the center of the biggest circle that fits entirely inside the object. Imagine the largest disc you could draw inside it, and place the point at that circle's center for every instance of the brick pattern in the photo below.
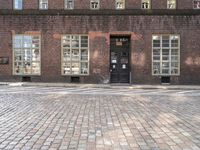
(104, 4)
(99, 29)
(97, 122)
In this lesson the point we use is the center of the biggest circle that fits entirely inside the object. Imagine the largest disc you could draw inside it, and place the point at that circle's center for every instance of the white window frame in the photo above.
(67, 4)
(196, 6)
(171, 3)
(161, 60)
(13, 54)
(146, 1)
(79, 48)
(14, 4)
(122, 4)
(43, 2)
(94, 1)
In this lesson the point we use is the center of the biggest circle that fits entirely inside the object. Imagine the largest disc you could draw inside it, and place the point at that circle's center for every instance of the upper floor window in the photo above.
(196, 4)
(94, 4)
(18, 4)
(146, 4)
(43, 4)
(69, 4)
(120, 4)
(171, 4)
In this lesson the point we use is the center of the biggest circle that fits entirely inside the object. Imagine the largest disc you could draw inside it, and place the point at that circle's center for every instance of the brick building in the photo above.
(100, 41)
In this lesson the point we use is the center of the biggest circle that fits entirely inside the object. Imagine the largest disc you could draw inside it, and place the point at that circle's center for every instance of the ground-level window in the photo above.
(75, 55)
(26, 55)
(69, 4)
(196, 4)
(18, 4)
(43, 4)
(146, 4)
(120, 4)
(94, 4)
(171, 4)
(166, 55)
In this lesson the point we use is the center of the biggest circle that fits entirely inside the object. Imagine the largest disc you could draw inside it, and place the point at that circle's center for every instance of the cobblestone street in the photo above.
(98, 119)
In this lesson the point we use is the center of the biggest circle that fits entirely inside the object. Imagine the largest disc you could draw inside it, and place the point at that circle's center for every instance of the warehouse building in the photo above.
(100, 41)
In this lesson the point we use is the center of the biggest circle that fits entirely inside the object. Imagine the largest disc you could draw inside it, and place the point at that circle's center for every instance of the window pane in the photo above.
(27, 67)
(35, 67)
(84, 68)
(84, 41)
(66, 55)
(18, 41)
(18, 67)
(35, 55)
(27, 41)
(75, 68)
(18, 4)
(66, 41)
(165, 41)
(84, 55)
(75, 55)
(171, 4)
(75, 41)
(66, 68)
(146, 4)
(69, 4)
(156, 68)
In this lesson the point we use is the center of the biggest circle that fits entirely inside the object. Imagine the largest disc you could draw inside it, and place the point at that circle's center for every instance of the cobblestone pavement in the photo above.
(98, 119)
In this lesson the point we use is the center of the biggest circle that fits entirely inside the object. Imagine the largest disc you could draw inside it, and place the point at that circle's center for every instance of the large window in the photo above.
(43, 4)
(146, 4)
(166, 55)
(18, 4)
(69, 4)
(75, 55)
(196, 4)
(26, 55)
(94, 4)
(120, 4)
(171, 4)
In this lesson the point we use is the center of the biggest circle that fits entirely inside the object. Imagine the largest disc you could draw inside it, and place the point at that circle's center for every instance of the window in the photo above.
(120, 4)
(171, 4)
(94, 4)
(196, 4)
(75, 55)
(26, 55)
(165, 57)
(69, 4)
(146, 4)
(18, 4)
(43, 4)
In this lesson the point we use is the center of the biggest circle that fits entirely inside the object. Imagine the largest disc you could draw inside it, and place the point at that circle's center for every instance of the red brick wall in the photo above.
(99, 29)
(104, 4)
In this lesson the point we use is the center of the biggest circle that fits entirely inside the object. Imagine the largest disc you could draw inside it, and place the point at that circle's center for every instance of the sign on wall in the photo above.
(4, 60)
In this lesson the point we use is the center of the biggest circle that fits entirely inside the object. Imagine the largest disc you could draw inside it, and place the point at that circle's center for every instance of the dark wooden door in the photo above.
(119, 59)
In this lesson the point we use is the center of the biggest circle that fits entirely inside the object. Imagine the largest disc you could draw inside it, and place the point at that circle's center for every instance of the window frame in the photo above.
(194, 5)
(14, 1)
(66, 4)
(98, 1)
(116, 1)
(88, 59)
(142, 1)
(13, 55)
(161, 56)
(40, 4)
(168, 2)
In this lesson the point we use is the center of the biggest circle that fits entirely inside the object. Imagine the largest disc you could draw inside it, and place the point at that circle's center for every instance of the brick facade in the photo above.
(99, 29)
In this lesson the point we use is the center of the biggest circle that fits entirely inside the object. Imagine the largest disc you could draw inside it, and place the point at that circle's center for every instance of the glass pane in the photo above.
(174, 52)
(165, 52)
(75, 68)
(174, 71)
(35, 68)
(156, 68)
(165, 71)
(66, 68)
(66, 41)
(165, 41)
(84, 41)
(174, 58)
(75, 41)
(18, 67)
(18, 55)
(27, 55)
(66, 55)
(27, 68)
(174, 64)
(156, 41)
(156, 52)
(174, 41)
(165, 65)
(27, 41)
(18, 41)
(35, 55)
(84, 55)
(84, 68)
(75, 55)
(35, 42)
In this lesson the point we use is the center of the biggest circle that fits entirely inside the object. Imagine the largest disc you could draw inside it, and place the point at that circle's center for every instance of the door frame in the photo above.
(129, 49)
